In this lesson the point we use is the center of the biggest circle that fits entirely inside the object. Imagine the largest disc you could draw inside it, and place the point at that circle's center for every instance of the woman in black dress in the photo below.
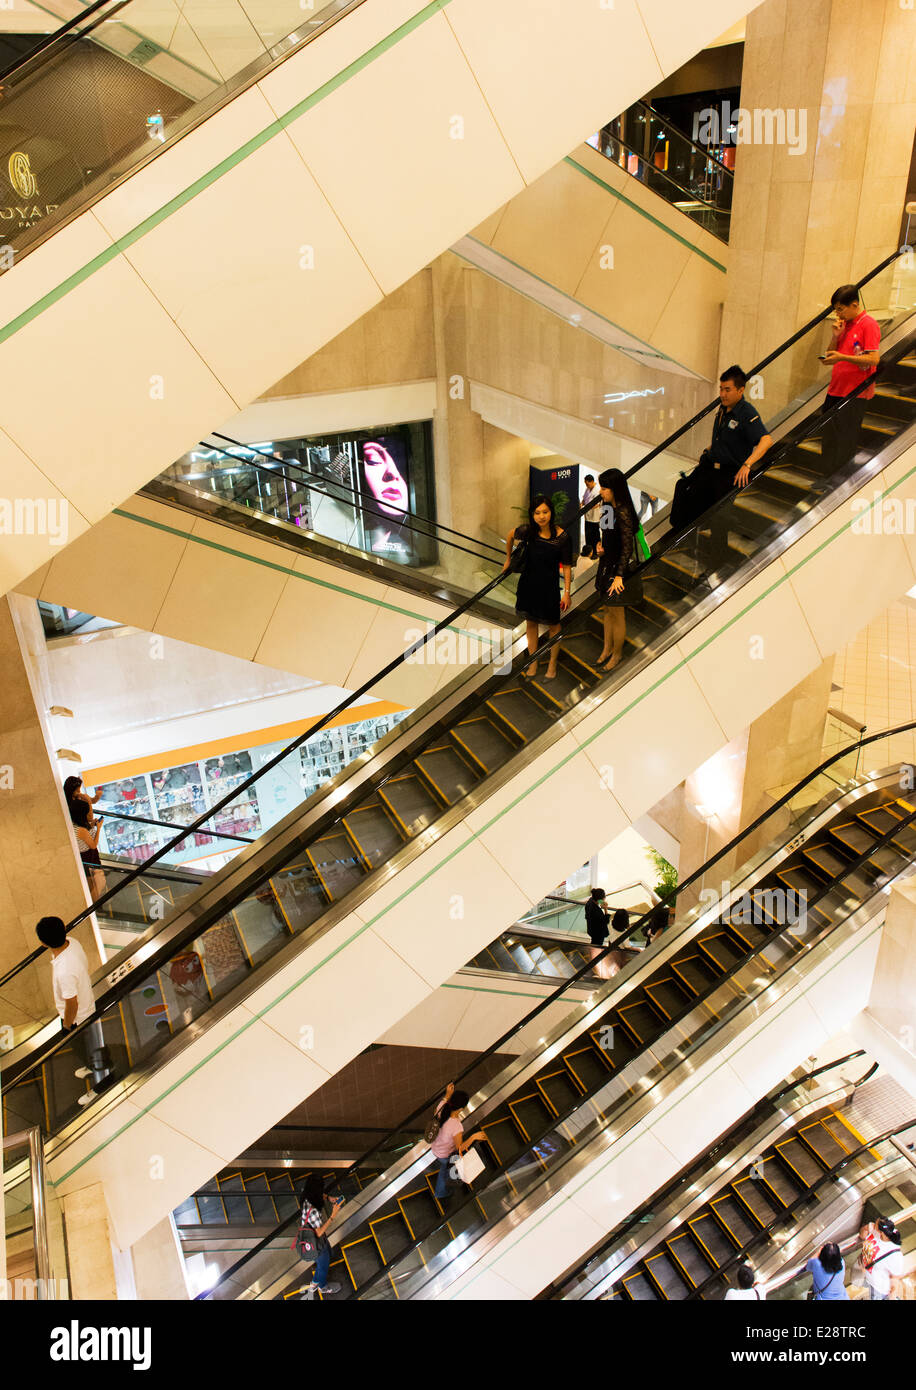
(616, 554)
(537, 600)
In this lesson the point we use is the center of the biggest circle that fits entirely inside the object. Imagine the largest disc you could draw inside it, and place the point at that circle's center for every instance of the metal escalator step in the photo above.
(758, 504)
(642, 1021)
(362, 1259)
(720, 947)
(589, 1067)
(880, 819)
(881, 424)
(504, 1138)
(562, 966)
(757, 1195)
(559, 1089)
(420, 1212)
(483, 744)
(553, 695)
(520, 954)
(823, 1141)
(300, 895)
(682, 569)
(543, 963)
(375, 834)
(337, 864)
(583, 650)
(448, 773)
(531, 1113)
(668, 1276)
(697, 972)
(800, 879)
(793, 477)
(697, 1265)
(854, 836)
(523, 717)
(707, 1230)
(889, 860)
(905, 840)
(411, 803)
(825, 860)
(784, 1183)
(391, 1234)
(800, 1159)
(503, 958)
(733, 1215)
(640, 1289)
(668, 995)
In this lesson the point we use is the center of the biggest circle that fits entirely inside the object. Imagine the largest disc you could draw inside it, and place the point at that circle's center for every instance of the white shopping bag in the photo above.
(469, 1165)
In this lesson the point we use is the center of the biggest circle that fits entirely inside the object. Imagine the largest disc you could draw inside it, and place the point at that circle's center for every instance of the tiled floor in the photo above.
(876, 676)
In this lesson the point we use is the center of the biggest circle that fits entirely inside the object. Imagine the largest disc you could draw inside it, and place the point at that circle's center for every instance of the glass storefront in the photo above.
(178, 795)
(355, 488)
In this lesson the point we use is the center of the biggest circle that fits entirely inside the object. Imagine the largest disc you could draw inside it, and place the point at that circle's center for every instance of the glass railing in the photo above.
(778, 1114)
(36, 1255)
(420, 775)
(148, 79)
(308, 498)
(262, 1268)
(651, 149)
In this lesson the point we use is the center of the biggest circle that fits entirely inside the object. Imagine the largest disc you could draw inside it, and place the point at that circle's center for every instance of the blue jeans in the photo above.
(322, 1265)
(442, 1179)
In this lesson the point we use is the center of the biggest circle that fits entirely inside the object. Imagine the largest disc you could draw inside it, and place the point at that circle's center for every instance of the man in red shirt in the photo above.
(853, 354)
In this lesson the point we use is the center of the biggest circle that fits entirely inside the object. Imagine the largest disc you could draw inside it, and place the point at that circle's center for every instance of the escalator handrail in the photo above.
(109, 814)
(668, 177)
(62, 32)
(359, 504)
(689, 1006)
(733, 1135)
(566, 984)
(429, 635)
(831, 1173)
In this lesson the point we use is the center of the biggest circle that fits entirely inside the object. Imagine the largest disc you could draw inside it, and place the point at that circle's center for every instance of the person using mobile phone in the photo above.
(312, 1241)
(853, 356)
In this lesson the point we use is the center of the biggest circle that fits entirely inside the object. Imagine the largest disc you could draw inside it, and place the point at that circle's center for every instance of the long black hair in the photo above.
(313, 1190)
(456, 1101)
(889, 1230)
(615, 480)
(542, 500)
(71, 787)
(830, 1257)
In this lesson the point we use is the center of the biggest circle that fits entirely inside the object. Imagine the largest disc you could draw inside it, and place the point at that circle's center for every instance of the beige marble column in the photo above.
(90, 1254)
(158, 1265)
(811, 216)
(40, 871)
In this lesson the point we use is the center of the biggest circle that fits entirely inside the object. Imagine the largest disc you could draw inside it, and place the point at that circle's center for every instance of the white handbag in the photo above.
(469, 1165)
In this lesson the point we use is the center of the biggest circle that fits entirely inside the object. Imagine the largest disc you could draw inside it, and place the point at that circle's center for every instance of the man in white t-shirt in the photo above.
(746, 1289)
(74, 999)
(883, 1263)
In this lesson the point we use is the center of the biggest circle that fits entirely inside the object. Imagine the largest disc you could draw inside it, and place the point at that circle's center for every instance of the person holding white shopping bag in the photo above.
(445, 1137)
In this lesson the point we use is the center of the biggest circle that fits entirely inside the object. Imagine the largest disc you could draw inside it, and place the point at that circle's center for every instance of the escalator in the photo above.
(410, 862)
(246, 1201)
(722, 1209)
(558, 1115)
(178, 234)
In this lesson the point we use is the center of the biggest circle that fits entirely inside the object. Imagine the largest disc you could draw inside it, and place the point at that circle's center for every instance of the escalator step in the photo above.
(504, 1139)
(582, 651)
(420, 1212)
(559, 962)
(503, 958)
(720, 947)
(643, 1021)
(362, 1259)
(485, 745)
(668, 995)
(825, 860)
(669, 1278)
(448, 773)
(691, 1256)
(800, 1159)
(784, 1183)
(800, 879)
(532, 1115)
(734, 1216)
(391, 1234)
(757, 1195)
(824, 1143)
(640, 1288)
(411, 803)
(588, 1067)
(560, 1090)
(372, 829)
(336, 863)
(523, 716)
(696, 972)
(558, 693)
(519, 953)
(880, 819)
(858, 838)
(708, 1231)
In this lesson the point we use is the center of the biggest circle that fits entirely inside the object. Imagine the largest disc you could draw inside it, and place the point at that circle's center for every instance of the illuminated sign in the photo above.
(615, 396)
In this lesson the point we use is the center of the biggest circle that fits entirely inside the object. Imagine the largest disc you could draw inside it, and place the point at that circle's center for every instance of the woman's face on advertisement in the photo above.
(384, 481)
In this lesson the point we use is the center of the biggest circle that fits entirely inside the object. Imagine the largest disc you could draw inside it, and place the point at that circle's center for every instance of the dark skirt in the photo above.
(632, 588)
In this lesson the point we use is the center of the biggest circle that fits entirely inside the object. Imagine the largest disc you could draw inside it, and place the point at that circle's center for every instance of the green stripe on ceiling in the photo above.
(569, 1192)
(293, 574)
(231, 162)
(574, 163)
(472, 839)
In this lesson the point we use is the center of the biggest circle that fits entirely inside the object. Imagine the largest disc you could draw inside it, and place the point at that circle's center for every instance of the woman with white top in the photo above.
(882, 1261)
(747, 1288)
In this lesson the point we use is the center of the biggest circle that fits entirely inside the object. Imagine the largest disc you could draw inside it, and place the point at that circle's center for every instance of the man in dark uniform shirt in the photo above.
(739, 441)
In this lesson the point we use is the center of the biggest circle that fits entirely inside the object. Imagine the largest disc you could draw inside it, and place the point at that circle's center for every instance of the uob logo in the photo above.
(21, 176)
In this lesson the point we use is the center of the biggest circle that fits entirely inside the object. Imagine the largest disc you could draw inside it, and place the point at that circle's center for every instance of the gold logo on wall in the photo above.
(21, 176)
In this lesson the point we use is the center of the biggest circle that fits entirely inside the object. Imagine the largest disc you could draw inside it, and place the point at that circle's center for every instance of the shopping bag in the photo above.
(469, 1165)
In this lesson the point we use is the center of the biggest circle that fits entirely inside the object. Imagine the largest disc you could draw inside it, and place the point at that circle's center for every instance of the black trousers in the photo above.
(720, 483)
(90, 1049)
(592, 537)
(841, 430)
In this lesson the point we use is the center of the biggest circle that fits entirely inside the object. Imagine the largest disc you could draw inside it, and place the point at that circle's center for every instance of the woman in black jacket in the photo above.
(616, 557)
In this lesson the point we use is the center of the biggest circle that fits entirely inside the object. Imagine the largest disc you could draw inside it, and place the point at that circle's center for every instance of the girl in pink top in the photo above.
(450, 1138)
